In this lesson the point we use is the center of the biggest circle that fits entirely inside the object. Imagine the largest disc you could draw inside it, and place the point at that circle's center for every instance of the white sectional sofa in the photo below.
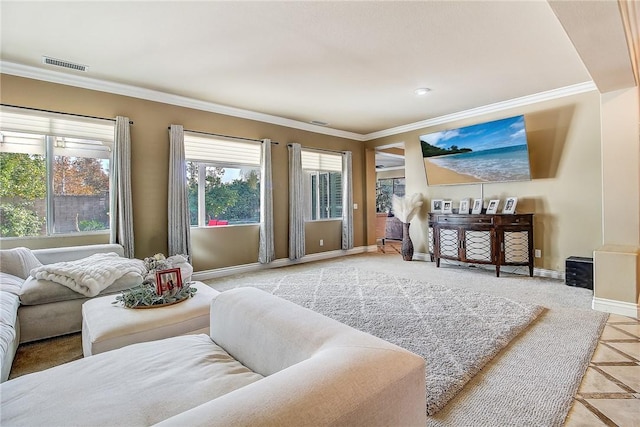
(36, 309)
(266, 362)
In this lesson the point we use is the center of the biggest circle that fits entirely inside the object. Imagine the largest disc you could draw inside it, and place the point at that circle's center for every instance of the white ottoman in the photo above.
(107, 326)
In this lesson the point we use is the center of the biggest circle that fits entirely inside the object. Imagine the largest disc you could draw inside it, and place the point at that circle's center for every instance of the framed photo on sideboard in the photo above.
(492, 208)
(477, 206)
(510, 205)
(464, 206)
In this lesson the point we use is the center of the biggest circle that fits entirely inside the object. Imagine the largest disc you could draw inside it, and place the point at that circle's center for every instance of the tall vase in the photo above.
(407, 244)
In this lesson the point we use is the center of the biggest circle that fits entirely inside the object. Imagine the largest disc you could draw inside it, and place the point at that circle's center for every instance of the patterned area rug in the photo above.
(457, 331)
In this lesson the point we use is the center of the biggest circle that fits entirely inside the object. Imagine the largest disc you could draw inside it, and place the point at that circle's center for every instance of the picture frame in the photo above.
(168, 280)
(447, 206)
(492, 208)
(436, 205)
(477, 206)
(510, 205)
(464, 206)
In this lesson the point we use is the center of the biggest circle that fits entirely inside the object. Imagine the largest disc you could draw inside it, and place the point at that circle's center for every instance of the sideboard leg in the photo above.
(497, 270)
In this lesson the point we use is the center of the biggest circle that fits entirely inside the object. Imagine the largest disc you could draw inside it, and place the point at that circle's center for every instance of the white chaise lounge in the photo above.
(267, 361)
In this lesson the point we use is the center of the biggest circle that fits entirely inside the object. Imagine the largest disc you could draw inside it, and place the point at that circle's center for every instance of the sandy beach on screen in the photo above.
(437, 175)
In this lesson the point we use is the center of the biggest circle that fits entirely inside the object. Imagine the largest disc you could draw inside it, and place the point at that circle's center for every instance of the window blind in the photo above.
(214, 150)
(316, 161)
(42, 123)
(12, 142)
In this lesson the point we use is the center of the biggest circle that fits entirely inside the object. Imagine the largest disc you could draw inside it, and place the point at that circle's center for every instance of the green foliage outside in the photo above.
(18, 220)
(383, 197)
(22, 176)
(237, 201)
(23, 180)
(429, 150)
(91, 225)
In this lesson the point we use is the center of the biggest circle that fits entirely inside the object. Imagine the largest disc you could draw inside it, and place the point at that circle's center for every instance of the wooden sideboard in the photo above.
(498, 239)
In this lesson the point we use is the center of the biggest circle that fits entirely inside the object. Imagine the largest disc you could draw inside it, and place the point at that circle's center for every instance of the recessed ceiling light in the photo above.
(422, 91)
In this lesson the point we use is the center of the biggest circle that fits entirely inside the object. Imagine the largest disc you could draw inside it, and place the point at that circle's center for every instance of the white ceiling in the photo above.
(354, 64)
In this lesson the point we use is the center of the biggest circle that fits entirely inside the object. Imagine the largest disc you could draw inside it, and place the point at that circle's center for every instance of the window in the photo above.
(385, 190)
(54, 174)
(322, 174)
(223, 180)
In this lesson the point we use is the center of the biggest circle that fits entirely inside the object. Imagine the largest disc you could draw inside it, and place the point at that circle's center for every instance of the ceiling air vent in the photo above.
(64, 64)
(319, 123)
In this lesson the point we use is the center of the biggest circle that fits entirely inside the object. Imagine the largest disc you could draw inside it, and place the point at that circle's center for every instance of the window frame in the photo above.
(86, 136)
(316, 166)
(204, 151)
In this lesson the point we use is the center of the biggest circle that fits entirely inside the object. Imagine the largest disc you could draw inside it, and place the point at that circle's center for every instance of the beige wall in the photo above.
(565, 192)
(213, 247)
(621, 167)
(617, 267)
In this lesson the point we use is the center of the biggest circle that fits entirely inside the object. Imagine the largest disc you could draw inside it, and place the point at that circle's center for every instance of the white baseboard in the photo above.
(622, 308)
(552, 274)
(524, 270)
(282, 262)
(417, 256)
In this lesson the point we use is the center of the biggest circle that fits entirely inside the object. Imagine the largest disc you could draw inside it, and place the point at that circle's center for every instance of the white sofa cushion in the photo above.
(10, 283)
(41, 291)
(9, 304)
(70, 253)
(137, 385)
(18, 262)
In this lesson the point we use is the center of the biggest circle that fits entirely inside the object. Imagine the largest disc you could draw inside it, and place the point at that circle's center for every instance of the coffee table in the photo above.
(107, 326)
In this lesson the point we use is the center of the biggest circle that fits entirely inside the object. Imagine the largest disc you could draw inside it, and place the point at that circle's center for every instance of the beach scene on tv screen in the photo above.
(486, 152)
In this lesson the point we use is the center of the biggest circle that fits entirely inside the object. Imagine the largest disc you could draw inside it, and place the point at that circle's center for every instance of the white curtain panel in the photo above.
(347, 202)
(179, 236)
(266, 251)
(121, 222)
(296, 203)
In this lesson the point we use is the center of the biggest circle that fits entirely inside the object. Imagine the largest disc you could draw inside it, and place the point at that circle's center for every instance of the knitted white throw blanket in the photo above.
(89, 276)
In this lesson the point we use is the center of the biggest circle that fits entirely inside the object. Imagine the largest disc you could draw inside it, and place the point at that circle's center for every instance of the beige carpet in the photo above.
(456, 331)
(530, 383)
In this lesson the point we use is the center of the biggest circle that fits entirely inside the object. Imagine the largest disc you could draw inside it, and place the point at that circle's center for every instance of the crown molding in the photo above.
(84, 82)
(163, 97)
(485, 109)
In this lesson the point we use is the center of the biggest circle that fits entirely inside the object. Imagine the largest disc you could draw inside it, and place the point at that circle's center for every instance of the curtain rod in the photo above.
(224, 136)
(320, 149)
(60, 112)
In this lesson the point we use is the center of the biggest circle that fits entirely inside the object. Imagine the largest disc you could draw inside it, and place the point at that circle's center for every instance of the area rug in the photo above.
(457, 331)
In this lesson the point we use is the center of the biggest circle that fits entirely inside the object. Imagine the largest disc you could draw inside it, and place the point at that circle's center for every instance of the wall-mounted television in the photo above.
(487, 152)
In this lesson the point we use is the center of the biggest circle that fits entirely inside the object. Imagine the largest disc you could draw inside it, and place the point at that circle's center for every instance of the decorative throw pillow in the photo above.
(18, 262)
(181, 262)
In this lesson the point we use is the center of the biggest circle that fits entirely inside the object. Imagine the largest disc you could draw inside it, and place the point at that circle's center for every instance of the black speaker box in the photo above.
(579, 272)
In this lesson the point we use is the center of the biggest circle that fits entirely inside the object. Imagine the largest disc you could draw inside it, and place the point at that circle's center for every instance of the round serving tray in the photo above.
(162, 305)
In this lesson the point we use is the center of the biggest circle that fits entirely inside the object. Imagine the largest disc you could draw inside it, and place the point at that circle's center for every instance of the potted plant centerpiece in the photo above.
(405, 208)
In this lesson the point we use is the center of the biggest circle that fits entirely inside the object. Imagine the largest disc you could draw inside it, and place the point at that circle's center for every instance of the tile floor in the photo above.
(610, 391)
(609, 394)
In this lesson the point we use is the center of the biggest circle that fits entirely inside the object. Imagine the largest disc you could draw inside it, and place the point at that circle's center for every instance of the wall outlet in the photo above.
(538, 253)
(321, 242)
(355, 206)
